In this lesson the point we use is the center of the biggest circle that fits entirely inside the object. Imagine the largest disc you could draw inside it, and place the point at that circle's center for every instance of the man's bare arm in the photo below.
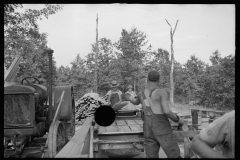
(165, 106)
(203, 150)
(135, 100)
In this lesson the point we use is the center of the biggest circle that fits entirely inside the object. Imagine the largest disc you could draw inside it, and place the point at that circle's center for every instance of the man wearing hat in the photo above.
(130, 90)
(114, 95)
(130, 106)
(156, 127)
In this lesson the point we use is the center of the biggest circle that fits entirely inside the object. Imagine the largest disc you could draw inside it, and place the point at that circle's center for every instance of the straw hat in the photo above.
(114, 84)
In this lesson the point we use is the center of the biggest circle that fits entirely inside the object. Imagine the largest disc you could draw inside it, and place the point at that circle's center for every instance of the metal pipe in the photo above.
(50, 108)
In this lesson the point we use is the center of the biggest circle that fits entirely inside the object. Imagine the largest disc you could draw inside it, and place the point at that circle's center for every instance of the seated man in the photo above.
(130, 106)
(114, 95)
(220, 131)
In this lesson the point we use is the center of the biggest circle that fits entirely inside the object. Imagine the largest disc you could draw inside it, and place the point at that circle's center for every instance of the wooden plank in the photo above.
(102, 129)
(86, 144)
(91, 143)
(120, 141)
(208, 112)
(121, 133)
(113, 124)
(120, 136)
(74, 147)
(136, 127)
(12, 66)
(125, 117)
(121, 122)
(139, 121)
(58, 108)
(14, 75)
(115, 146)
(124, 129)
(179, 134)
(130, 122)
(111, 129)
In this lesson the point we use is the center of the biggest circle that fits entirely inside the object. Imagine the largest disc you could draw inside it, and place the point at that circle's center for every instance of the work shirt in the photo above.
(221, 131)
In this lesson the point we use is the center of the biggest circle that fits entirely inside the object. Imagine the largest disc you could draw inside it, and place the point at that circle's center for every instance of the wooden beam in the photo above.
(58, 108)
(74, 147)
(13, 67)
(120, 141)
(177, 133)
(115, 146)
(207, 111)
(91, 143)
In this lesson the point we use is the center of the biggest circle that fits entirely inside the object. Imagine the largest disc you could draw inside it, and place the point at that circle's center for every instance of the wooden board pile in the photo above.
(87, 105)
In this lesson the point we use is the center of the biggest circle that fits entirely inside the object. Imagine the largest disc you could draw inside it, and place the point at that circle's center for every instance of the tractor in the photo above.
(37, 121)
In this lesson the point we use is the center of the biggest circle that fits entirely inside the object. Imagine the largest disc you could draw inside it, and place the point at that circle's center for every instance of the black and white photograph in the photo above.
(119, 80)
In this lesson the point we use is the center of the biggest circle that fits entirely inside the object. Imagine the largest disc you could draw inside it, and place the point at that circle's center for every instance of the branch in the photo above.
(168, 23)
(175, 27)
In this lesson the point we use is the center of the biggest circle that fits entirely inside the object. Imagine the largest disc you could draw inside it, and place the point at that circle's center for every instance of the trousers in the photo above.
(158, 133)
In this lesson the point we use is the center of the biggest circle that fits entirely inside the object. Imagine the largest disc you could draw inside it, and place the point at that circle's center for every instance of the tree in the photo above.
(131, 55)
(22, 37)
(172, 60)
(104, 60)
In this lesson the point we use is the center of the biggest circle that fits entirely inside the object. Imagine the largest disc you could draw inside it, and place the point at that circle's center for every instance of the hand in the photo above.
(180, 122)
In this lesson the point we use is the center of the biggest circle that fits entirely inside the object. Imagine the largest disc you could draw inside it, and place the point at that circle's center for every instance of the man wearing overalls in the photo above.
(114, 95)
(156, 127)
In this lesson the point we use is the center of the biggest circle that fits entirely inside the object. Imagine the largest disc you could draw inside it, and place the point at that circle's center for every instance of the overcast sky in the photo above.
(201, 29)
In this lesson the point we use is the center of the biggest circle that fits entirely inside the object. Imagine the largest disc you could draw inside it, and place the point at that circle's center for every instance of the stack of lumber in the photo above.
(12, 71)
(87, 105)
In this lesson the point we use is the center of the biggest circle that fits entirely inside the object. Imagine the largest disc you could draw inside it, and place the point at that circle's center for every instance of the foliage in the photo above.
(212, 86)
(22, 37)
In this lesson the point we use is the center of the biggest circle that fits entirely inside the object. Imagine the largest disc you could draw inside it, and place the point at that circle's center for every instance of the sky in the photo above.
(201, 29)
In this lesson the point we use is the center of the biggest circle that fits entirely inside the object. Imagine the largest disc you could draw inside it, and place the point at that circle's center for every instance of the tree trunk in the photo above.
(172, 61)
(134, 85)
(171, 73)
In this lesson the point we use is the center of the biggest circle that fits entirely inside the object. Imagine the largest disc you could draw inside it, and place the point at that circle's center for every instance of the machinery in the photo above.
(36, 120)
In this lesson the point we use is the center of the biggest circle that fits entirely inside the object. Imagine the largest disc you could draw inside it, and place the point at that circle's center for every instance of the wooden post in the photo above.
(96, 57)
(172, 61)
(194, 119)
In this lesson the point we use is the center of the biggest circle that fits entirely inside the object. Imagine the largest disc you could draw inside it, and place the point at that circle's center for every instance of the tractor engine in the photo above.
(25, 114)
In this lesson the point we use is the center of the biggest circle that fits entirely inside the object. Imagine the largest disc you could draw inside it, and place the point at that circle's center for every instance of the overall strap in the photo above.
(152, 92)
(147, 109)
